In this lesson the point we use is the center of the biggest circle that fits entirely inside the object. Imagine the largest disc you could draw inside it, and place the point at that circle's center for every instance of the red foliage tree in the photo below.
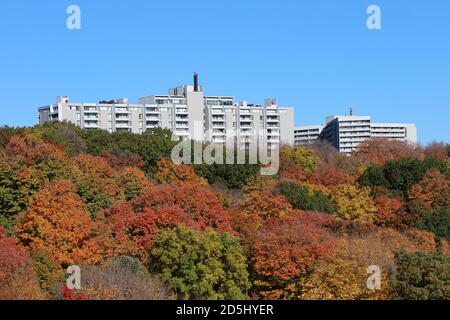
(18, 280)
(201, 206)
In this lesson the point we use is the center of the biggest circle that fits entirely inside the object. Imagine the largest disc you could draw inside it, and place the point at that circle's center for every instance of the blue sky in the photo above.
(315, 55)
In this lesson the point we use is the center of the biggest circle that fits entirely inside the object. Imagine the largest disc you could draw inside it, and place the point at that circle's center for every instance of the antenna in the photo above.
(195, 82)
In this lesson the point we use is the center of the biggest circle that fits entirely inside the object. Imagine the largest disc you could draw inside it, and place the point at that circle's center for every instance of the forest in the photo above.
(143, 228)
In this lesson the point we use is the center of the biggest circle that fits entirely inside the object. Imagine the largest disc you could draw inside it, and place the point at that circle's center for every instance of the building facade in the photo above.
(305, 135)
(345, 133)
(187, 112)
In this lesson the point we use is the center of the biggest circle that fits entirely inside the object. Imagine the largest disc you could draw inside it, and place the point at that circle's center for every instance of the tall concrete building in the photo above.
(345, 133)
(187, 112)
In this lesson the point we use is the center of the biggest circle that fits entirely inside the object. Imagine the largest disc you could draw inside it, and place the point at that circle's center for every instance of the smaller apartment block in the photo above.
(345, 133)
(305, 135)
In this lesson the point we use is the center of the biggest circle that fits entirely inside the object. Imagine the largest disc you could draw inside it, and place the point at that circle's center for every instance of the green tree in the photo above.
(421, 276)
(303, 198)
(438, 222)
(201, 265)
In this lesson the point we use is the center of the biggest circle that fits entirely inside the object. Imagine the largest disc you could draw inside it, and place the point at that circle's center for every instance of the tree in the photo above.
(169, 173)
(303, 157)
(388, 211)
(48, 270)
(258, 207)
(437, 150)
(353, 203)
(344, 278)
(119, 159)
(133, 182)
(432, 191)
(65, 134)
(259, 183)
(286, 250)
(421, 276)
(232, 176)
(199, 206)
(122, 278)
(201, 265)
(378, 151)
(26, 164)
(303, 198)
(57, 221)
(92, 171)
(328, 176)
(437, 222)
(17, 278)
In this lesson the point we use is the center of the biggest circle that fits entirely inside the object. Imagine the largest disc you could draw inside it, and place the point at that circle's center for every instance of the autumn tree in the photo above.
(388, 211)
(57, 221)
(18, 280)
(354, 203)
(96, 182)
(122, 278)
(378, 151)
(119, 159)
(302, 156)
(329, 176)
(256, 208)
(432, 191)
(201, 265)
(285, 251)
(200, 206)
(26, 164)
(132, 181)
(48, 270)
(169, 173)
(437, 150)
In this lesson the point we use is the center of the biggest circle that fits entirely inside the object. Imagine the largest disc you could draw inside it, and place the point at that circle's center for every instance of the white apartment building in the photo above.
(398, 131)
(345, 133)
(305, 135)
(186, 112)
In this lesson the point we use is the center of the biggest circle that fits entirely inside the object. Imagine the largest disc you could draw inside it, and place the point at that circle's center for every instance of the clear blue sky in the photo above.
(315, 55)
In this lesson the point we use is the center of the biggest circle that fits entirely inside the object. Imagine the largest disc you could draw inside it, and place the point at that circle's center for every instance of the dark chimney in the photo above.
(195, 82)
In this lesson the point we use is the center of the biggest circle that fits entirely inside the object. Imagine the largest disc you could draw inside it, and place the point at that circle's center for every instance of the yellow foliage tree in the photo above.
(354, 203)
(303, 157)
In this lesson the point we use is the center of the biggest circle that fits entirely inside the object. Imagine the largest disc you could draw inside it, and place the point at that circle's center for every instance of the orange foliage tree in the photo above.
(168, 172)
(285, 251)
(432, 192)
(257, 207)
(388, 210)
(57, 221)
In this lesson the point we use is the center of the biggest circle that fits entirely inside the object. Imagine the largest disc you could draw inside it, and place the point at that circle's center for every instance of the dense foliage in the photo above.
(142, 227)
